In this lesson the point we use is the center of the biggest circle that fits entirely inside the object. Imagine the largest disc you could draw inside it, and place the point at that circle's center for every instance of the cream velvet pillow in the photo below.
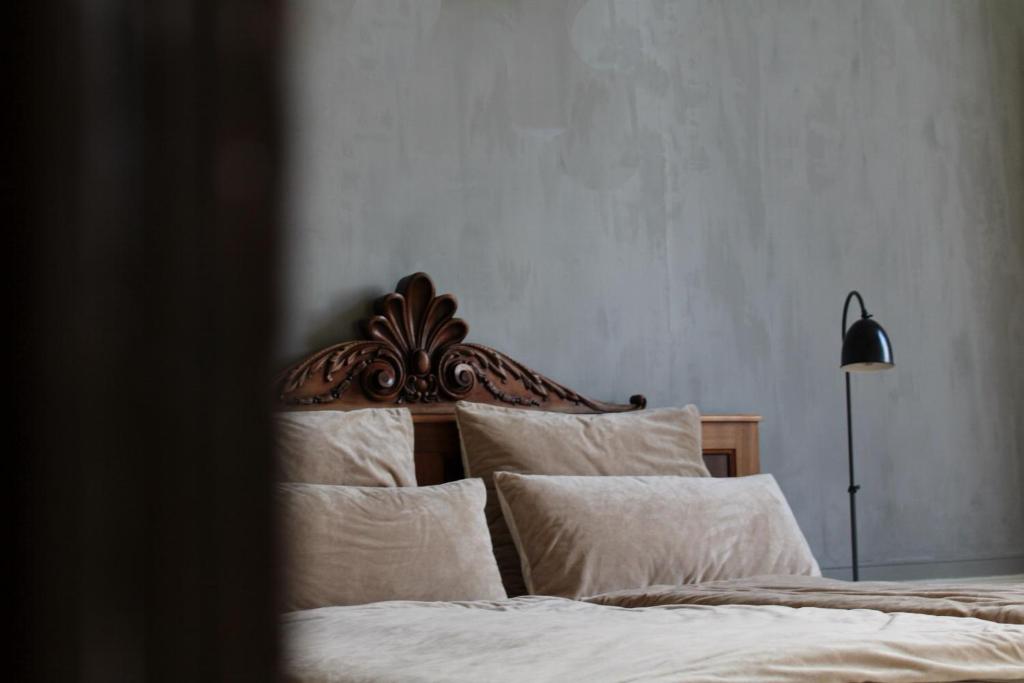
(372, 447)
(664, 441)
(581, 536)
(349, 545)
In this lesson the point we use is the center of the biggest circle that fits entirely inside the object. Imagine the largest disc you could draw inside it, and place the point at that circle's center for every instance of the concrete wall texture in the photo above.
(673, 198)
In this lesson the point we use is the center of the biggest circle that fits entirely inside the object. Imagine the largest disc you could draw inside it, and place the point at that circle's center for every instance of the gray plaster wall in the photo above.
(674, 198)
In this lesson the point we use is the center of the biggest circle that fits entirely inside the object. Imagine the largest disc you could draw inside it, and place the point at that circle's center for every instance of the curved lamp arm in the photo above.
(846, 307)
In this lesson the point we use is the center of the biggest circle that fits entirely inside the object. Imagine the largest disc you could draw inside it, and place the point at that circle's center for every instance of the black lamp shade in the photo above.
(866, 347)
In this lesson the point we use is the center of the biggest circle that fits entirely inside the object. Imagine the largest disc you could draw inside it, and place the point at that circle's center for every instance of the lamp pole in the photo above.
(853, 488)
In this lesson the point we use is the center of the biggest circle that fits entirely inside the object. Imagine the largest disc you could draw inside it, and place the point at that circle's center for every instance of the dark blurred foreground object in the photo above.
(866, 348)
(143, 184)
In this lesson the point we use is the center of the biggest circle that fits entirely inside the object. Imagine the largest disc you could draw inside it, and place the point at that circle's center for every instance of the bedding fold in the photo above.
(1001, 603)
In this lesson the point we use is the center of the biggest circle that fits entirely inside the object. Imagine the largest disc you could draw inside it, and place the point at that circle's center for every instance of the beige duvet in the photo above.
(555, 639)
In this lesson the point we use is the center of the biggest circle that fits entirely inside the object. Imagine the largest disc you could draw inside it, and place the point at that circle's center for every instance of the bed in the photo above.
(772, 627)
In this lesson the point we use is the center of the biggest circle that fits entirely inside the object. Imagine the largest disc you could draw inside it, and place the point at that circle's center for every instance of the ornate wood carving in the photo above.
(413, 354)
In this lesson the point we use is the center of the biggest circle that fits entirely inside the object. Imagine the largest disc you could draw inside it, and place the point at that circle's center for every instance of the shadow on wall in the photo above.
(341, 322)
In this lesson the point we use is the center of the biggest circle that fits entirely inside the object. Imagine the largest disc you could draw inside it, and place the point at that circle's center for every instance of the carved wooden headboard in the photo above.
(413, 354)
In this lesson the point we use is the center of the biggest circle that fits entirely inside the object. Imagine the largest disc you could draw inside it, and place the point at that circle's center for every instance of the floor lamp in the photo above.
(866, 348)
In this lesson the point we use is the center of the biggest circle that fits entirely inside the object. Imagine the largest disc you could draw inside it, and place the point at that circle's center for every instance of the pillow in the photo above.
(348, 545)
(372, 447)
(581, 536)
(665, 441)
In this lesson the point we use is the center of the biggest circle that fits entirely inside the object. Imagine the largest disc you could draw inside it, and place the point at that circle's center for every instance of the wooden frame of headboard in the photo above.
(412, 354)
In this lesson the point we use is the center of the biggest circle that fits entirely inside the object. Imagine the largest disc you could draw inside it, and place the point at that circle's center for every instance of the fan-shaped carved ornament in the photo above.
(413, 354)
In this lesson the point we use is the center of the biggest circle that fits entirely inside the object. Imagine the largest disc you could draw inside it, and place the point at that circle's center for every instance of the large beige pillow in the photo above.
(664, 441)
(581, 536)
(372, 447)
(349, 545)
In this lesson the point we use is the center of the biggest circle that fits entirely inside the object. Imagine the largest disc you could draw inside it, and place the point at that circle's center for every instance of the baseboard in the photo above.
(941, 569)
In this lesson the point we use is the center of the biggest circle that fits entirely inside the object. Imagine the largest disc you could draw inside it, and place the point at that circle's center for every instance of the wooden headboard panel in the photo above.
(412, 354)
